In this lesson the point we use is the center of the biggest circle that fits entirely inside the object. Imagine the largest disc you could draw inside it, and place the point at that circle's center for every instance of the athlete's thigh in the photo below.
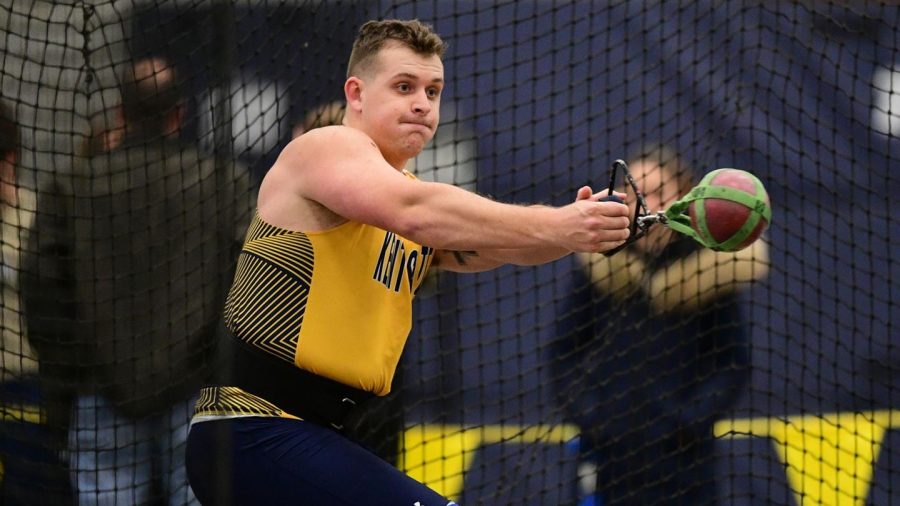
(279, 461)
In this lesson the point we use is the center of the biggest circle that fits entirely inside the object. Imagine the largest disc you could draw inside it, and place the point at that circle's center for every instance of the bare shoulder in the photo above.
(324, 156)
(311, 159)
(316, 175)
(325, 144)
(285, 199)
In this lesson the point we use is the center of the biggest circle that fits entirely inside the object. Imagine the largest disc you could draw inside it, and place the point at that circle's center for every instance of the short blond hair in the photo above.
(373, 35)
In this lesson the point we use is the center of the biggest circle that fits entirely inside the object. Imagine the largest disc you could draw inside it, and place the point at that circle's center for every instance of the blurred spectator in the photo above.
(329, 113)
(106, 132)
(29, 445)
(134, 255)
(652, 349)
(17, 205)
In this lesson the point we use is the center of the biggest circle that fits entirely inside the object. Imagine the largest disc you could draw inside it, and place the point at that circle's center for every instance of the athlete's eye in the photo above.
(403, 87)
(433, 92)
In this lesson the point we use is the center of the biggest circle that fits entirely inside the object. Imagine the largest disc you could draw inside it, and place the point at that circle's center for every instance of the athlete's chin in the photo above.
(415, 144)
(410, 152)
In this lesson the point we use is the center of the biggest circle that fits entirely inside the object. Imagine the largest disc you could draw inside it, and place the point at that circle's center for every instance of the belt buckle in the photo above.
(351, 404)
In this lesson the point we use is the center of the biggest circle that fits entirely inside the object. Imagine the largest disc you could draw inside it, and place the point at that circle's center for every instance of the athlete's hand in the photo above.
(585, 193)
(592, 226)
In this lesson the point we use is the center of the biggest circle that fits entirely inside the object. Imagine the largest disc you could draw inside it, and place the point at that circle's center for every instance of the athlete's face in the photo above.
(401, 100)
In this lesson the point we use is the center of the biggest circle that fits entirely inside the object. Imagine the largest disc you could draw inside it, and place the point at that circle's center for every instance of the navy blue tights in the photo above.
(261, 460)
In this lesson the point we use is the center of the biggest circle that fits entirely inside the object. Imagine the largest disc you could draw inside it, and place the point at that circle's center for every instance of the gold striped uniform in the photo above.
(337, 303)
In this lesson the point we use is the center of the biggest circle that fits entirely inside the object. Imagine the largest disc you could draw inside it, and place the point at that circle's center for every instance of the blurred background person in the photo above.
(30, 442)
(106, 132)
(326, 114)
(651, 349)
(134, 254)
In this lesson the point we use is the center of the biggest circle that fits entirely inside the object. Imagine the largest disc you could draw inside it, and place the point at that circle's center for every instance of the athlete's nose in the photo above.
(421, 103)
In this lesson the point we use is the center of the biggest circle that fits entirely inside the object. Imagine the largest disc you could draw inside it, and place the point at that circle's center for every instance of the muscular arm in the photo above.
(342, 170)
(476, 261)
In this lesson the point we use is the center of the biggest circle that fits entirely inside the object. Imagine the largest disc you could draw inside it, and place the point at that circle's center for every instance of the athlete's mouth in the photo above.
(420, 123)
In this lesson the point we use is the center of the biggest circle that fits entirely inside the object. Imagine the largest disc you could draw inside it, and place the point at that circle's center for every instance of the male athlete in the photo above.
(321, 304)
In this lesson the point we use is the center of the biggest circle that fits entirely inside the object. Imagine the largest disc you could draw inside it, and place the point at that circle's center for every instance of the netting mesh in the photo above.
(666, 374)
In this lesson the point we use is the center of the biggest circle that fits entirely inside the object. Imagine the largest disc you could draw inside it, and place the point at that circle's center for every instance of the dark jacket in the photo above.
(647, 388)
(130, 265)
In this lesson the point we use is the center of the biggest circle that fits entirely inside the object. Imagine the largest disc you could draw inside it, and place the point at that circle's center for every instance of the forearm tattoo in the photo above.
(461, 256)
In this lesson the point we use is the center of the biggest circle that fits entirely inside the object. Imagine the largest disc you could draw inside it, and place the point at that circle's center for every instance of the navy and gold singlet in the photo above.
(337, 303)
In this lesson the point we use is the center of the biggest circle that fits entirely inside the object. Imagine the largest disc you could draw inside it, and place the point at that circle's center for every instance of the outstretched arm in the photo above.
(342, 170)
(476, 261)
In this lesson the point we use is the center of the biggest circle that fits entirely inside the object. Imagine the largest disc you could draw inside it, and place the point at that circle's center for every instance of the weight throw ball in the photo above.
(731, 209)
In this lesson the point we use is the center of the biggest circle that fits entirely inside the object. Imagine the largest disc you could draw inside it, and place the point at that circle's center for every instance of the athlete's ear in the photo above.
(353, 90)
